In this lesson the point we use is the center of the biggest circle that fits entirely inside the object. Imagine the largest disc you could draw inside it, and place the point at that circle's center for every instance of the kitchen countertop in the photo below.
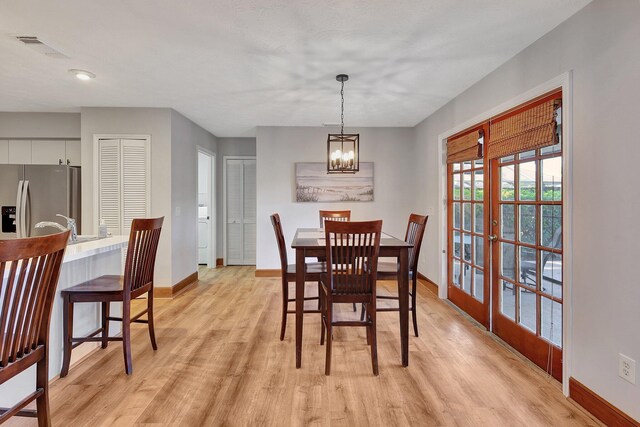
(94, 247)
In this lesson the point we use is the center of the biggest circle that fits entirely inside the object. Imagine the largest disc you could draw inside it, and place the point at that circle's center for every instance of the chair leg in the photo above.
(368, 327)
(354, 307)
(126, 337)
(152, 330)
(362, 311)
(285, 305)
(374, 339)
(105, 324)
(322, 316)
(413, 307)
(42, 402)
(327, 363)
(319, 292)
(67, 326)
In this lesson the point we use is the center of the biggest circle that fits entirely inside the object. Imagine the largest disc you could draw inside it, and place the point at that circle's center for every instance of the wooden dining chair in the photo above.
(29, 271)
(353, 282)
(334, 216)
(137, 281)
(288, 273)
(389, 270)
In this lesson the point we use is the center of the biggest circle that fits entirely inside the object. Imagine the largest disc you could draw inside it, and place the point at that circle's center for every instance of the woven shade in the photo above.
(464, 148)
(528, 130)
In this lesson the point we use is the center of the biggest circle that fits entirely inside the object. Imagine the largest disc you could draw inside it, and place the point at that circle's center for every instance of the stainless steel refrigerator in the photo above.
(33, 193)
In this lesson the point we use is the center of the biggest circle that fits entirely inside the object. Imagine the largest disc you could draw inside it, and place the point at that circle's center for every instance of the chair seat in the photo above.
(109, 285)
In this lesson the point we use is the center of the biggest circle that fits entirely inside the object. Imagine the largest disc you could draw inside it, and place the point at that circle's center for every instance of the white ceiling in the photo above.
(233, 65)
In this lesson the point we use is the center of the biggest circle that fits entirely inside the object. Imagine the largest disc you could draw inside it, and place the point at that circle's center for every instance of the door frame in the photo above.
(224, 200)
(213, 215)
(565, 82)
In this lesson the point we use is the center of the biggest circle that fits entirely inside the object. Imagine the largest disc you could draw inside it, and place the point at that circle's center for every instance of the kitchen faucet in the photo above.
(71, 225)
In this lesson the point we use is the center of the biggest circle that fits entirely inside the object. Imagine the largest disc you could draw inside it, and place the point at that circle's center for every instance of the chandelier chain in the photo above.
(342, 109)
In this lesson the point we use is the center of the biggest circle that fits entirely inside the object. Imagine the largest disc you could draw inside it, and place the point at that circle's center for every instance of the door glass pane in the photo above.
(551, 321)
(456, 186)
(527, 181)
(507, 217)
(466, 247)
(466, 165)
(478, 285)
(527, 224)
(506, 182)
(507, 299)
(551, 273)
(466, 186)
(506, 159)
(550, 149)
(478, 163)
(456, 244)
(527, 154)
(507, 261)
(528, 265)
(466, 216)
(456, 273)
(552, 179)
(478, 220)
(467, 272)
(551, 226)
(456, 215)
(456, 166)
(478, 251)
(478, 185)
(527, 309)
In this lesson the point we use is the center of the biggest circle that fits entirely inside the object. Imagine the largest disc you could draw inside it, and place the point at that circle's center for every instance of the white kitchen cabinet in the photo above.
(72, 149)
(19, 152)
(4, 151)
(48, 152)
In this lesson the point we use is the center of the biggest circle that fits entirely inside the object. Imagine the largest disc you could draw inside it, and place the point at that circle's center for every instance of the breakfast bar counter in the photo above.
(82, 261)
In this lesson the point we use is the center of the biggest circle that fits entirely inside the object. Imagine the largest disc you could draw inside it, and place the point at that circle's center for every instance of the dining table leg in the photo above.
(300, 267)
(403, 295)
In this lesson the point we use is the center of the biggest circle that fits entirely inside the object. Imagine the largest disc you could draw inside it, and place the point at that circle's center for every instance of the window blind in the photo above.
(527, 130)
(465, 147)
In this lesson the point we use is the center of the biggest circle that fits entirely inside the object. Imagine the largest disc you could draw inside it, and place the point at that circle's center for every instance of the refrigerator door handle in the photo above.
(19, 210)
(26, 203)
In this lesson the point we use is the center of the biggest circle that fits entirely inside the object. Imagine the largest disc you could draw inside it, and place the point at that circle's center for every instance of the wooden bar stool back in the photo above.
(137, 281)
(29, 272)
(334, 216)
(389, 271)
(288, 274)
(352, 261)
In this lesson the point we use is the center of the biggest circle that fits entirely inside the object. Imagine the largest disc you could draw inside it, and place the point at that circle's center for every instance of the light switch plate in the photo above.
(627, 368)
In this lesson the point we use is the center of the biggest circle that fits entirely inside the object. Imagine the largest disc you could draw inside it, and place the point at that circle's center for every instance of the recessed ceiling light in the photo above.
(82, 74)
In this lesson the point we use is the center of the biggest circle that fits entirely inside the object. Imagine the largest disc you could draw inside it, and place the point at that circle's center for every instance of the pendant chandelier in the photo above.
(343, 148)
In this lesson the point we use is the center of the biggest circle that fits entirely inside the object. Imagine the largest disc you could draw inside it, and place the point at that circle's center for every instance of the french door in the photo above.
(520, 239)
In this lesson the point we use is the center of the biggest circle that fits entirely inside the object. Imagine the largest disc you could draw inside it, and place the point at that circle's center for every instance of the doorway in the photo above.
(206, 209)
(505, 200)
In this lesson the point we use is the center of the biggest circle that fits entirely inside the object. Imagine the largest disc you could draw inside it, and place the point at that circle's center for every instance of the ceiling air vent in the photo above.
(34, 43)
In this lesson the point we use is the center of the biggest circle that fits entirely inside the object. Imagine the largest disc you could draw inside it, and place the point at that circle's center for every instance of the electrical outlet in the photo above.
(627, 368)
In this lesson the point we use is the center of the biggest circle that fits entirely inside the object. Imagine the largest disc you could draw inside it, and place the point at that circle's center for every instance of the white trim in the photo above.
(224, 201)
(213, 216)
(564, 81)
(96, 170)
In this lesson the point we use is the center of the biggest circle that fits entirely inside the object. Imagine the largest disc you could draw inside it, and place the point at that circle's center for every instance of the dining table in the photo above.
(310, 242)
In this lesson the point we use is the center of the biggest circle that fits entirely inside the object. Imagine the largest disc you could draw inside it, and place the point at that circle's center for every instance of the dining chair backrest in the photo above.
(29, 271)
(141, 255)
(352, 250)
(415, 231)
(334, 216)
(282, 249)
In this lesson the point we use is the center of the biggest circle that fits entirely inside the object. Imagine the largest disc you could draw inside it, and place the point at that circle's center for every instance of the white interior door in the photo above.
(240, 203)
(204, 209)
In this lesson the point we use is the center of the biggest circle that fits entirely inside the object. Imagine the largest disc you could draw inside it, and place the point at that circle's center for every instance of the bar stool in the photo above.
(137, 281)
(32, 268)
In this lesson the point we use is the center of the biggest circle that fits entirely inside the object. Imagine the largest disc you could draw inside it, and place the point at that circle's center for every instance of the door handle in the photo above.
(26, 227)
(492, 237)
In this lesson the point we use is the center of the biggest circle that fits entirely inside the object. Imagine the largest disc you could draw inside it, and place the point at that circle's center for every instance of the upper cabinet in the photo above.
(40, 152)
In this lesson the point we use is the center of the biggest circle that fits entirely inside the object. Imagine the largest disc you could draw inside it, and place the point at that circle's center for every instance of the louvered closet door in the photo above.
(135, 182)
(241, 212)
(109, 206)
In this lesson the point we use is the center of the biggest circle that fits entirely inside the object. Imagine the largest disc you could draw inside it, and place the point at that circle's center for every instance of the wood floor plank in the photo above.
(220, 362)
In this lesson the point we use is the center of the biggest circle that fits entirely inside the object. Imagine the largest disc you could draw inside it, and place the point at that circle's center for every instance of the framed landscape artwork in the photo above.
(313, 184)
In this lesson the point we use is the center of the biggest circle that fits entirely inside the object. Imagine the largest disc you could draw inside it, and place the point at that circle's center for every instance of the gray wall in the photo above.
(39, 125)
(134, 121)
(600, 45)
(279, 148)
(186, 136)
(227, 147)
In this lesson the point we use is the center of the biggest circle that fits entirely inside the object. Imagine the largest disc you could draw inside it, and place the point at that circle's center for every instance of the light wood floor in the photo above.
(220, 362)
